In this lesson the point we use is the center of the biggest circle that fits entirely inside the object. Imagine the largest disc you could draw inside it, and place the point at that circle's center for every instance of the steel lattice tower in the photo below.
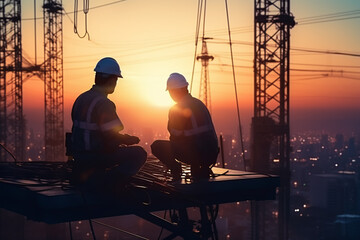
(12, 126)
(270, 124)
(53, 79)
(204, 92)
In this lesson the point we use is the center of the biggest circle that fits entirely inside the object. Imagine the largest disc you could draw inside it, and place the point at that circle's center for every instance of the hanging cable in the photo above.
(70, 230)
(86, 5)
(162, 229)
(236, 94)
(204, 21)
(12, 155)
(35, 32)
(198, 21)
(120, 230)
(92, 229)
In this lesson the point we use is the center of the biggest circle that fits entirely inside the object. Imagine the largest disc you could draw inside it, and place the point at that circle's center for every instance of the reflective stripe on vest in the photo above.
(191, 132)
(88, 121)
(110, 125)
(85, 125)
(194, 131)
(197, 130)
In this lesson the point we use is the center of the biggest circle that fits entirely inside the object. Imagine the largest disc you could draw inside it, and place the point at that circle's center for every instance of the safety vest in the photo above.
(93, 115)
(189, 119)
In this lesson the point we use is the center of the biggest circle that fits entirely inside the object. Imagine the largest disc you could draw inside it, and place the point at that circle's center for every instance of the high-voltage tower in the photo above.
(204, 57)
(53, 79)
(270, 125)
(12, 126)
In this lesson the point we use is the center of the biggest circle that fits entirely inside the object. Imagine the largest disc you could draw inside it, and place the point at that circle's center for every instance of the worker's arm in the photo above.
(110, 126)
(128, 139)
(112, 140)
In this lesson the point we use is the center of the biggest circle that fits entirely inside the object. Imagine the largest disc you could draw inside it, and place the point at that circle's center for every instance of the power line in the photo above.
(223, 41)
(330, 20)
(326, 65)
(323, 70)
(330, 17)
(98, 6)
(327, 52)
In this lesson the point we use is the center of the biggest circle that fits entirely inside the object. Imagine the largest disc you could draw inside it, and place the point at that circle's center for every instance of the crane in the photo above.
(270, 124)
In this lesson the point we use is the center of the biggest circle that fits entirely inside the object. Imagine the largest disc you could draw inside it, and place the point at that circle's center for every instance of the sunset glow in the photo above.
(149, 45)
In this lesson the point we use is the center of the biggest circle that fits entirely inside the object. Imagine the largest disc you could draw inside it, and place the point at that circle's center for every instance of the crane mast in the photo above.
(270, 124)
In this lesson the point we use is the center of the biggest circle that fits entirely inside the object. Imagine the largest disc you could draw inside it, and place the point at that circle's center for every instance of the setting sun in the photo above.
(158, 97)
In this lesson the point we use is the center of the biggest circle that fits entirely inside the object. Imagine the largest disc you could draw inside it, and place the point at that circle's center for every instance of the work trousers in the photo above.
(171, 154)
(121, 164)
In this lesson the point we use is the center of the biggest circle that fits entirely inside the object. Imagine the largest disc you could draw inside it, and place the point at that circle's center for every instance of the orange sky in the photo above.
(151, 39)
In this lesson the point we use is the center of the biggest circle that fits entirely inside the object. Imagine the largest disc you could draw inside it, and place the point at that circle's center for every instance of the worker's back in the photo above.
(91, 114)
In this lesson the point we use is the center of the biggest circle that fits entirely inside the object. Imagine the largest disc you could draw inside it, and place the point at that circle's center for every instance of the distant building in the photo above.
(335, 193)
(325, 141)
(339, 141)
(345, 227)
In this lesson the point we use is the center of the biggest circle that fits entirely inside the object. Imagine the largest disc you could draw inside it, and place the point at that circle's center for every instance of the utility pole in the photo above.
(204, 91)
(12, 125)
(53, 79)
(273, 21)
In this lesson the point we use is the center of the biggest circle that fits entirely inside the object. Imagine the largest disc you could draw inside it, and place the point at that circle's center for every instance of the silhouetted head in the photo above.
(107, 72)
(106, 81)
(177, 86)
(178, 93)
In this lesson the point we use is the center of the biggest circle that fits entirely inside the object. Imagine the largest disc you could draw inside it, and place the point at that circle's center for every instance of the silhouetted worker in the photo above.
(193, 138)
(96, 142)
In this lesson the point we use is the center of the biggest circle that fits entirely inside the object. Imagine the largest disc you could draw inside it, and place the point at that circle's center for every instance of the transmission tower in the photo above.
(204, 92)
(53, 79)
(270, 124)
(12, 126)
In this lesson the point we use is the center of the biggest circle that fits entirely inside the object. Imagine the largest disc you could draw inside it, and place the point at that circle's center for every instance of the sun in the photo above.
(159, 98)
(153, 92)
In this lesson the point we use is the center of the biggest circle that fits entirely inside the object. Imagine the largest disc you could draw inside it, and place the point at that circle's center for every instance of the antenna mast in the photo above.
(204, 93)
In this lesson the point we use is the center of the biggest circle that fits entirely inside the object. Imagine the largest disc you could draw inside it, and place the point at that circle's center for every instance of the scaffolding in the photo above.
(12, 125)
(53, 79)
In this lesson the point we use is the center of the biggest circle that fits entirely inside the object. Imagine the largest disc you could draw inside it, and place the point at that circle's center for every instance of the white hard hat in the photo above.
(108, 65)
(176, 80)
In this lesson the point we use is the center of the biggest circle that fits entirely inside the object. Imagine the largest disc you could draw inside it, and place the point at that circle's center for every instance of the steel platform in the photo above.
(54, 201)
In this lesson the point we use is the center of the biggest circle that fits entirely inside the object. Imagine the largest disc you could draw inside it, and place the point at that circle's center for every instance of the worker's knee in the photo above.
(142, 155)
(139, 155)
(155, 146)
(158, 147)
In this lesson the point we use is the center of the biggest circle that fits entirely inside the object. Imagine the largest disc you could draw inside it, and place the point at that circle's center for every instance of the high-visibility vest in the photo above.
(93, 114)
(190, 121)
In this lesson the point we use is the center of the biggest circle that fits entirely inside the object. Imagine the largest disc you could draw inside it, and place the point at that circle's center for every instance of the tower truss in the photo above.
(204, 92)
(270, 124)
(53, 79)
(12, 126)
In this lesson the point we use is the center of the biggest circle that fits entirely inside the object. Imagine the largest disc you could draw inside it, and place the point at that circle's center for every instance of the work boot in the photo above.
(200, 172)
(176, 176)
